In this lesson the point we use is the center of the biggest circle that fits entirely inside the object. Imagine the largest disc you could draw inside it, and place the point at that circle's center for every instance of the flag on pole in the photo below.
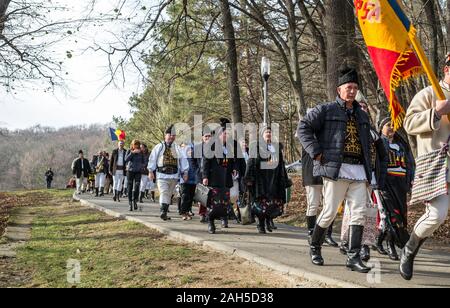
(117, 134)
(387, 32)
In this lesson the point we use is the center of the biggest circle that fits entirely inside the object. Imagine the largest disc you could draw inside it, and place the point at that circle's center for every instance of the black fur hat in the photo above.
(348, 75)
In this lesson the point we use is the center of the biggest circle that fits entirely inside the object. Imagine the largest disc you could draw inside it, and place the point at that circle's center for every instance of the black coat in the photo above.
(323, 131)
(135, 162)
(77, 168)
(381, 162)
(267, 183)
(307, 171)
(217, 176)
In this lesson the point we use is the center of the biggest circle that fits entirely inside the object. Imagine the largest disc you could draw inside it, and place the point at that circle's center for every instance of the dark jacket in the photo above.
(135, 162)
(307, 171)
(381, 162)
(77, 168)
(198, 157)
(144, 170)
(213, 171)
(410, 162)
(323, 131)
(49, 175)
(114, 159)
(267, 183)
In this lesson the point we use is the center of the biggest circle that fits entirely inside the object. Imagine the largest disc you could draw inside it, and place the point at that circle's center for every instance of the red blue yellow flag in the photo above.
(387, 31)
(117, 134)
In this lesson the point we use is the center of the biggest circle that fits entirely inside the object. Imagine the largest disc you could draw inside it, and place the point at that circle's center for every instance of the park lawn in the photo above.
(116, 253)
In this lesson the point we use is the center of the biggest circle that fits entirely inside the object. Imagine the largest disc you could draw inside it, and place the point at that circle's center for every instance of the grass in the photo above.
(115, 253)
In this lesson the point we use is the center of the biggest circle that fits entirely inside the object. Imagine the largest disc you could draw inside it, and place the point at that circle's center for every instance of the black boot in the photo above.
(164, 211)
(96, 192)
(354, 262)
(379, 245)
(392, 251)
(102, 193)
(225, 222)
(141, 198)
(343, 247)
(365, 253)
(261, 226)
(211, 227)
(317, 238)
(311, 223)
(269, 225)
(146, 194)
(131, 206)
(409, 253)
(118, 196)
(272, 224)
(115, 196)
(329, 237)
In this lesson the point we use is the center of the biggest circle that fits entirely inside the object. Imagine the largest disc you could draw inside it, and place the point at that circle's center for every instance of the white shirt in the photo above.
(120, 158)
(352, 173)
(157, 154)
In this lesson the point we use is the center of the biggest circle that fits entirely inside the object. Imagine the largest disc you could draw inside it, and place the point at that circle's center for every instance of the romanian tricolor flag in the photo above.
(117, 134)
(387, 31)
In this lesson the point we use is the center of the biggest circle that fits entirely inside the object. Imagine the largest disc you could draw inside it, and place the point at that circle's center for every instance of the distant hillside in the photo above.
(26, 154)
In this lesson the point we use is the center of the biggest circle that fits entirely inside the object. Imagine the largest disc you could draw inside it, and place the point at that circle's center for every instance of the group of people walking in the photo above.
(348, 162)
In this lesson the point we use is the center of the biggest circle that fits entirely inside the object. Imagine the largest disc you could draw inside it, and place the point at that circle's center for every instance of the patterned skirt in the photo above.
(268, 208)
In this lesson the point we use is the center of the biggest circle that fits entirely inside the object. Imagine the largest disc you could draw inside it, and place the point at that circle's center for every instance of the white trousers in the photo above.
(118, 180)
(335, 192)
(435, 215)
(166, 190)
(314, 198)
(144, 183)
(100, 179)
(81, 184)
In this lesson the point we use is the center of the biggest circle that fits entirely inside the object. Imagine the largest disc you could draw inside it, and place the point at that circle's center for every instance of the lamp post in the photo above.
(265, 72)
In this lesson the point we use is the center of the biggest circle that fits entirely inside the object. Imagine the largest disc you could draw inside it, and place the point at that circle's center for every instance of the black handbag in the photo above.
(202, 194)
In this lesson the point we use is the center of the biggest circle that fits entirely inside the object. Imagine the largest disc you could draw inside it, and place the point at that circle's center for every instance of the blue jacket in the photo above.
(135, 162)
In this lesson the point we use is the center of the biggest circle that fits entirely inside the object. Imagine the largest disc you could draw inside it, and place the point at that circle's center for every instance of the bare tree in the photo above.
(30, 31)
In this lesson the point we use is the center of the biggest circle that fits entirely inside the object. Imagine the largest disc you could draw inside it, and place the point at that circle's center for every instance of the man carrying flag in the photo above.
(426, 119)
(389, 36)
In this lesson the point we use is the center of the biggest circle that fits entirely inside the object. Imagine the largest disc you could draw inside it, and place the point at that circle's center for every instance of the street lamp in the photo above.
(265, 72)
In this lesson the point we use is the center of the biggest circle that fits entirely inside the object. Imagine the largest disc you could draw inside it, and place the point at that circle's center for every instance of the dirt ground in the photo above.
(115, 253)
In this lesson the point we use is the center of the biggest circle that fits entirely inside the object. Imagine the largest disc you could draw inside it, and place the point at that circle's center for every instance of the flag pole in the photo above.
(427, 67)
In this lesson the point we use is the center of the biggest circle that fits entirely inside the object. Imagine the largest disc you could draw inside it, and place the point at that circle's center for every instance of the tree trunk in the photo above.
(432, 25)
(448, 24)
(232, 62)
(3, 7)
(294, 58)
(340, 29)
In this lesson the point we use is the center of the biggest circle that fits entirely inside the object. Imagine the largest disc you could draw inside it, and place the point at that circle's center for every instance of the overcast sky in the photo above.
(82, 103)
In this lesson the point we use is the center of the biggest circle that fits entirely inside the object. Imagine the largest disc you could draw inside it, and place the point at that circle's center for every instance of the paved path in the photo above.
(17, 232)
(285, 251)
